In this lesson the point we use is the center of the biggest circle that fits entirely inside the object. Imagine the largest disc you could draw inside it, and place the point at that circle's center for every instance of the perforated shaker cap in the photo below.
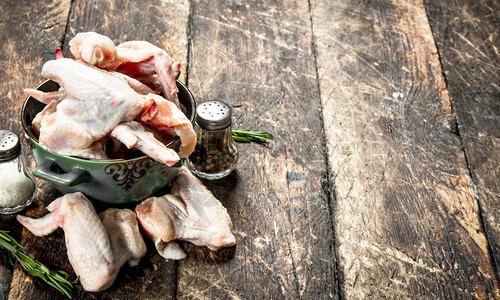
(213, 115)
(10, 146)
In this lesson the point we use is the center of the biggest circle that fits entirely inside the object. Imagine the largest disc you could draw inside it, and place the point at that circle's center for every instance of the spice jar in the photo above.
(215, 154)
(17, 185)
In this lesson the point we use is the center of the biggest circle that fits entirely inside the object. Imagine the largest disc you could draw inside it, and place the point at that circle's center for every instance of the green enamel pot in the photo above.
(114, 181)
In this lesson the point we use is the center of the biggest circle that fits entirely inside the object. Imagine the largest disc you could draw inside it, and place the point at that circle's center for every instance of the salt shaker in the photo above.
(17, 185)
(215, 154)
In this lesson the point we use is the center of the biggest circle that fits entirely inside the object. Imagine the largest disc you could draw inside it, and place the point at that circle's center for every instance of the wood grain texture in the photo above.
(163, 23)
(467, 37)
(153, 278)
(257, 57)
(385, 151)
(29, 31)
(406, 219)
(6, 269)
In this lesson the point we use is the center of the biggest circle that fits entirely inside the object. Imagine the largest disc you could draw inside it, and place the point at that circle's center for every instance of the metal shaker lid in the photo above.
(213, 115)
(10, 146)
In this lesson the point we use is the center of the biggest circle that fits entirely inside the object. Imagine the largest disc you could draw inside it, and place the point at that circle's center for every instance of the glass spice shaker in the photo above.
(17, 185)
(215, 154)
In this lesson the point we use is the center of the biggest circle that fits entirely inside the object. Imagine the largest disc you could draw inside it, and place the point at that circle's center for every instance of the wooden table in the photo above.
(383, 177)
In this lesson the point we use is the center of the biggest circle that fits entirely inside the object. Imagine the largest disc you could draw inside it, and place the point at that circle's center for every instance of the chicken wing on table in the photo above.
(190, 213)
(96, 249)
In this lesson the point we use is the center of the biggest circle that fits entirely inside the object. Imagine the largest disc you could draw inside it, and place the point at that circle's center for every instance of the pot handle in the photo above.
(45, 171)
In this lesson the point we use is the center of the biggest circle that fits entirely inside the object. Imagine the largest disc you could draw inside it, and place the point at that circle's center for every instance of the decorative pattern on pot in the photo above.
(127, 174)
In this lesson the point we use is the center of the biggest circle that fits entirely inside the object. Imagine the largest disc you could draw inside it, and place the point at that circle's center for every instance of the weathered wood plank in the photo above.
(29, 31)
(257, 56)
(6, 270)
(162, 23)
(406, 219)
(467, 37)
(165, 25)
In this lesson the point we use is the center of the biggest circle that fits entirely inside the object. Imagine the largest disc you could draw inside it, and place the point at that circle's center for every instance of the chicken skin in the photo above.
(87, 243)
(123, 232)
(204, 219)
(97, 246)
(137, 59)
(190, 213)
(97, 103)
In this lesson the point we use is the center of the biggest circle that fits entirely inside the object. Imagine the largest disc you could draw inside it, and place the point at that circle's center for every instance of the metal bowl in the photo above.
(114, 181)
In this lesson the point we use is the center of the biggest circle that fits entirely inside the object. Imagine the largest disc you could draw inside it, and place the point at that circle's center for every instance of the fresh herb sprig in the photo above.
(57, 279)
(247, 136)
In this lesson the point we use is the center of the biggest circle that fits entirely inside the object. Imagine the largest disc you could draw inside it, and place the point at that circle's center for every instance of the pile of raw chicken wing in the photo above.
(112, 92)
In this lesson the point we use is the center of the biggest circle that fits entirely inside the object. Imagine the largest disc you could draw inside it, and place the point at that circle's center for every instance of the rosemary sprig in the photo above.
(247, 136)
(57, 279)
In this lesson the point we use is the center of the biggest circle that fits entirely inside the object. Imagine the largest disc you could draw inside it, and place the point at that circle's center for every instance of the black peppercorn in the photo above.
(215, 154)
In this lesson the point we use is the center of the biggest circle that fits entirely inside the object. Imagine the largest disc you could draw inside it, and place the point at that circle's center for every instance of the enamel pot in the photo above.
(116, 181)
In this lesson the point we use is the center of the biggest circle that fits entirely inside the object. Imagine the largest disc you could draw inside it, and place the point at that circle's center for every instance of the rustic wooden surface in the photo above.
(407, 218)
(467, 35)
(382, 180)
(257, 58)
(29, 31)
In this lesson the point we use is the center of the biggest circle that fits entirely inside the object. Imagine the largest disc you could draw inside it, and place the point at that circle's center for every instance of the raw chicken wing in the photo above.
(156, 223)
(132, 134)
(138, 59)
(94, 49)
(163, 116)
(206, 221)
(143, 58)
(190, 213)
(87, 243)
(95, 103)
(123, 231)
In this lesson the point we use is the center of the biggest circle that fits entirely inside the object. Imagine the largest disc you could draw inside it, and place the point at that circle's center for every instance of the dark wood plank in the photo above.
(6, 270)
(163, 25)
(467, 37)
(257, 56)
(29, 31)
(407, 222)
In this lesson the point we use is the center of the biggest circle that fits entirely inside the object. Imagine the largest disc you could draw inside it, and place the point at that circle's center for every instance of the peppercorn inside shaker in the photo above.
(17, 185)
(215, 154)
